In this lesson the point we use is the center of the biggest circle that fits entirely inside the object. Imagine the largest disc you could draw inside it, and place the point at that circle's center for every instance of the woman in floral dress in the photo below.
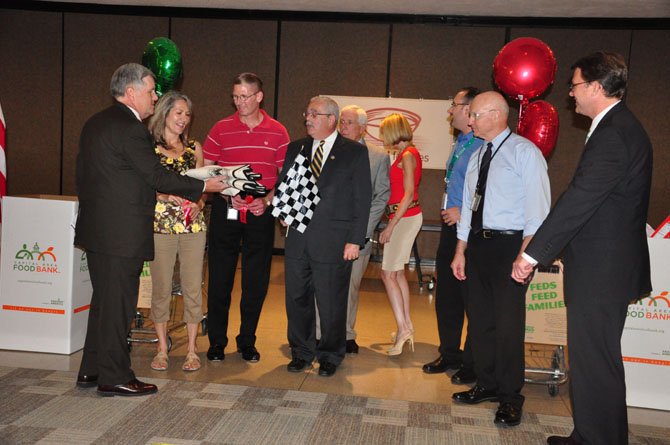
(179, 228)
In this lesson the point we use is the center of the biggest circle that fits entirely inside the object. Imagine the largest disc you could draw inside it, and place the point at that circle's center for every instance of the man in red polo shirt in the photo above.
(250, 136)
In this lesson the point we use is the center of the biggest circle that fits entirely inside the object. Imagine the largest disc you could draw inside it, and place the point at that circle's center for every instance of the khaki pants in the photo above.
(191, 249)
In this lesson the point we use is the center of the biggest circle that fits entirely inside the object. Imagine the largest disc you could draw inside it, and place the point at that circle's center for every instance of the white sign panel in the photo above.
(645, 344)
(428, 119)
(45, 291)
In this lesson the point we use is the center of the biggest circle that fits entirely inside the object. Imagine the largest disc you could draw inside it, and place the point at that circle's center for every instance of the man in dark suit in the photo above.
(118, 175)
(318, 261)
(600, 222)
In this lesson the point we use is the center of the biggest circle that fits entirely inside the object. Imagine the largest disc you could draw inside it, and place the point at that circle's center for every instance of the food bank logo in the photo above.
(36, 259)
(651, 308)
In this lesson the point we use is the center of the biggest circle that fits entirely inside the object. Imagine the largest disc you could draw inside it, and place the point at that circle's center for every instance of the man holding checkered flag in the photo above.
(297, 195)
(326, 208)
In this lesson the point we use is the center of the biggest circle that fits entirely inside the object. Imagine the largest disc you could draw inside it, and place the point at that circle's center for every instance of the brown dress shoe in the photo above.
(132, 388)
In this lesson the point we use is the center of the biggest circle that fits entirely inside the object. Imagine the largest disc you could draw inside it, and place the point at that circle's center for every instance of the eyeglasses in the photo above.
(314, 114)
(573, 85)
(456, 104)
(242, 97)
(479, 114)
(348, 122)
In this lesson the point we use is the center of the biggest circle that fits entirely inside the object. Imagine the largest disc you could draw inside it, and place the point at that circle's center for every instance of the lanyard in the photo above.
(454, 158)
(479, 178)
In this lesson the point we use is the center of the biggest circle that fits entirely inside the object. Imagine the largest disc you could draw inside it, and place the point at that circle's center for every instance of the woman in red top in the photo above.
(405, 219)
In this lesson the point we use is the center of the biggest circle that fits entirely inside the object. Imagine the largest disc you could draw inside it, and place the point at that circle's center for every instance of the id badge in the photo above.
(444, 201)
(233, 214)
(475, 202)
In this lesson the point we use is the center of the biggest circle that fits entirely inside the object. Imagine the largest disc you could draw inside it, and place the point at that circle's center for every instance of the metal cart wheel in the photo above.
(431, 283)
(553, 390)
(169, 343)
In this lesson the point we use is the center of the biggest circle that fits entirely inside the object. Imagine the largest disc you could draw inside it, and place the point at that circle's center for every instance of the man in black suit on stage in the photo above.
(600, 222)
(118, 175)
(318, 261)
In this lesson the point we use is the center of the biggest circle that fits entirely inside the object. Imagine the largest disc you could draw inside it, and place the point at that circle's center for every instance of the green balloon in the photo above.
(162, 56)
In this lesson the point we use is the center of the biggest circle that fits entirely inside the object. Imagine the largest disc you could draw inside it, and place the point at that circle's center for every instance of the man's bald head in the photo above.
(488, 114)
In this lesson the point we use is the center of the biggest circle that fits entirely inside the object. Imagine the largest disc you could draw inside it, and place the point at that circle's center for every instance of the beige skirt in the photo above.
(398, 250)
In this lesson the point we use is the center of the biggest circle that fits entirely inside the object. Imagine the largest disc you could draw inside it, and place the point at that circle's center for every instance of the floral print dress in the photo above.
(171, 219)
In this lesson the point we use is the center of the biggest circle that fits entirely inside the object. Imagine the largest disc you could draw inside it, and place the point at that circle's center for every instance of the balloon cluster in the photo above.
(162, 57)
(524, 69)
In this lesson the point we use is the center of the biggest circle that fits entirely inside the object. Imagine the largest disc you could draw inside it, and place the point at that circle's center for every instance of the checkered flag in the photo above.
(297, 195)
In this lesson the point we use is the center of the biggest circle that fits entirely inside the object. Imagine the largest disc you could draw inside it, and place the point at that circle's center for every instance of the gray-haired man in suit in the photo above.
(352, 125)
(118, 175)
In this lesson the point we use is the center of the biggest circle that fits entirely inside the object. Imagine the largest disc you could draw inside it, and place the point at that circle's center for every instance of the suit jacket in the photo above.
(380, 165)
(342, 214)
(118, 174)
(600, 219)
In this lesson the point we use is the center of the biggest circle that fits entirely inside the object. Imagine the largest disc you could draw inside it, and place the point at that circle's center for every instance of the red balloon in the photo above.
(539, 123)
(524, 67)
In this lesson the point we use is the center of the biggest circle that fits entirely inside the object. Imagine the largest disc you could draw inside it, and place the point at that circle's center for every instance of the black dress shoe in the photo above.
(132, 388)
(297, 365)
(508, 415)
(476, 394)
(464, 376)
(440, 364)
(87, 381)
(561, 440)
(215, 353)
(250, 354)
(352, 347)
(326, 369)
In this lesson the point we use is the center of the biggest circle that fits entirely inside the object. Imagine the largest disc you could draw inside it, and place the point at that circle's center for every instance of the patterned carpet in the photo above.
(44, 407)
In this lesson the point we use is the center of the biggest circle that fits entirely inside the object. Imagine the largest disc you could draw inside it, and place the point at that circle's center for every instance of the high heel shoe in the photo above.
(394, 335)
(397, 347)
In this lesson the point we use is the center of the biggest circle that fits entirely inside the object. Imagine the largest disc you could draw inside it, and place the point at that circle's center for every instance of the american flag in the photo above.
(3, 164)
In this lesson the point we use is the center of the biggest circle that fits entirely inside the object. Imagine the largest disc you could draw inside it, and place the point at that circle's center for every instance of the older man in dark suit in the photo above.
(600, 222)
(118, 175)
(318, 261)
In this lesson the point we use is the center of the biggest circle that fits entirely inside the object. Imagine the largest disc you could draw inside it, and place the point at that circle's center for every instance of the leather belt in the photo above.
(490, 234)
(392, 208)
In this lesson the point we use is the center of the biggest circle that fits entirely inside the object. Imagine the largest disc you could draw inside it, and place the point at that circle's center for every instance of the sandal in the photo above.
(192, 362)
(160, 361)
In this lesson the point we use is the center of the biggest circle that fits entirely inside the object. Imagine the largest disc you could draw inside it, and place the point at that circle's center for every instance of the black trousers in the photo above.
(308, 283)
(256, 238)
(597, 379)
(450, 301)
(115, 281)
(497, 309)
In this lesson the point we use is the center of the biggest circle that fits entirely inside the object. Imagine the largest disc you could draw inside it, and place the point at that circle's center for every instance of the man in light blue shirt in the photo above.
(506, 197)
(450, 294)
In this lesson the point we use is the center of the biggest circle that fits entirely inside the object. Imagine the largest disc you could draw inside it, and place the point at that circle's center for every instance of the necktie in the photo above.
(477, 224)
(317, 160)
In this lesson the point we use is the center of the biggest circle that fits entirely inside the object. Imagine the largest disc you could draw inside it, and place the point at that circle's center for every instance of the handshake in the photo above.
(238, 178)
